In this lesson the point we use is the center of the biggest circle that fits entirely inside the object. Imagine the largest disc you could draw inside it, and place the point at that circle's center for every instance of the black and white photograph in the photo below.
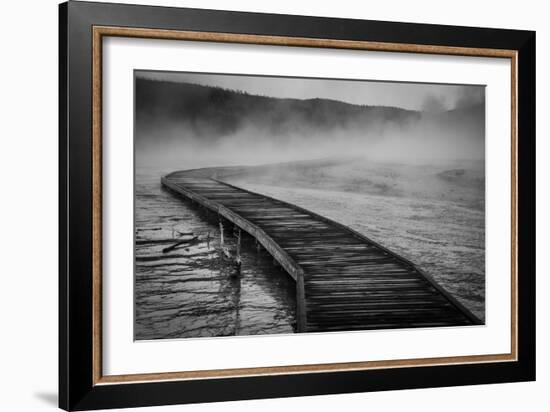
(280, 205)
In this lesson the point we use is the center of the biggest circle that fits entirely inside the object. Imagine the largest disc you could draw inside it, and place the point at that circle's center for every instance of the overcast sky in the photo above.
(414, 96)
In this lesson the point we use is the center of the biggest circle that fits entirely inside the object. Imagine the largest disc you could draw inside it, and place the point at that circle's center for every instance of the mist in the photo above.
(185, 125)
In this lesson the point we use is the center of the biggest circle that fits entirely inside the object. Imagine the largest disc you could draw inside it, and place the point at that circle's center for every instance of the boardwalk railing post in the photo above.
(300, 303)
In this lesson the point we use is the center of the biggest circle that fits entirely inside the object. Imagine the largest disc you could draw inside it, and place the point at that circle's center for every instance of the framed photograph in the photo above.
(257, 205)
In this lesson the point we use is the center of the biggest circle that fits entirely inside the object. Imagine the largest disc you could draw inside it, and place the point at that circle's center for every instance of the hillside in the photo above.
(213, 112)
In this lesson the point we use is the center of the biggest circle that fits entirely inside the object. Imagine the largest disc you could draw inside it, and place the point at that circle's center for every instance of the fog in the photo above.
(184, 125)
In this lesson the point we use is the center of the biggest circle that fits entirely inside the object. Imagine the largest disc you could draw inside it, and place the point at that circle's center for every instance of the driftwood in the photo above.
(181, 242)
(141, 241)
(180, 234)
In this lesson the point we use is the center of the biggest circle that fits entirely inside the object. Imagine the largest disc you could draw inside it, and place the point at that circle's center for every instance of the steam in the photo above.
(470, 96)
(434, 104)
(199, 126)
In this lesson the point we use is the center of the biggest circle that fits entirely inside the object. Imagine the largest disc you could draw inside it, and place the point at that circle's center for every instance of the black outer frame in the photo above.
(76, 389)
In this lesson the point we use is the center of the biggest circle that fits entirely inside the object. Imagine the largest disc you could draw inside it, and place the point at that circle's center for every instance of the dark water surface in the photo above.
(191, 291)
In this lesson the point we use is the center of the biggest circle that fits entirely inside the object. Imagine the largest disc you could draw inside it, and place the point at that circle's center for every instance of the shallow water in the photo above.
(444, 238)
(191, 291)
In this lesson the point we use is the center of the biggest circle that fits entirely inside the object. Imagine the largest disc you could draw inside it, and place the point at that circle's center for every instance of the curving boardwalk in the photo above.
(344, 281)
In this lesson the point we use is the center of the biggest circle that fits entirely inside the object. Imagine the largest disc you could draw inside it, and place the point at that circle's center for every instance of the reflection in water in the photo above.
(190, 290)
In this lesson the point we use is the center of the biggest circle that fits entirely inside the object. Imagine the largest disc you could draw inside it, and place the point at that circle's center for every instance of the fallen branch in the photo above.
(180, 234)
(181, 242)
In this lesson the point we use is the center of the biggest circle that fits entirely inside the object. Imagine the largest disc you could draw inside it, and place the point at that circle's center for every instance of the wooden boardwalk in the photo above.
(344, 281)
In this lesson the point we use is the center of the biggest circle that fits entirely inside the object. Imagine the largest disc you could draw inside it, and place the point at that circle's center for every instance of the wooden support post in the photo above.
(238, 252)
(221, 233)
(301, 320)
(239, 244)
